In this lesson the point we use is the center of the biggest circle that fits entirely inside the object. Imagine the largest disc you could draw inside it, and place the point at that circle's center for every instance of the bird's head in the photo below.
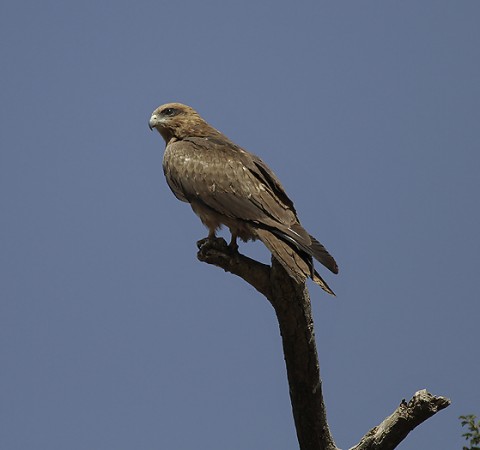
(177, 121)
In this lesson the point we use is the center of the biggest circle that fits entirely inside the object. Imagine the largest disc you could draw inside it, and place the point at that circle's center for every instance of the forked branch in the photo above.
(291, 303)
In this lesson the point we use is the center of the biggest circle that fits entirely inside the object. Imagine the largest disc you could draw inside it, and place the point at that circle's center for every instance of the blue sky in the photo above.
(113, 335)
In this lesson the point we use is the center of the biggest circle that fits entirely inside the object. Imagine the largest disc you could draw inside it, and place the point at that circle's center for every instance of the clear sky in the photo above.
(114, 337)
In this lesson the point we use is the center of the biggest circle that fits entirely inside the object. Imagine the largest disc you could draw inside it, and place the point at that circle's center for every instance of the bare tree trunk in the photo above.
(292, 306)
(291, 303)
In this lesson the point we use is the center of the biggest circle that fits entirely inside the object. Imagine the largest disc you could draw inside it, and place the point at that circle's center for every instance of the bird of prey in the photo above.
(226, 185)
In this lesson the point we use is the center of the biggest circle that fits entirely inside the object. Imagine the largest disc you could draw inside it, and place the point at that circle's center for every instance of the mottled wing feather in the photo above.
(238, 185)
(220, 176)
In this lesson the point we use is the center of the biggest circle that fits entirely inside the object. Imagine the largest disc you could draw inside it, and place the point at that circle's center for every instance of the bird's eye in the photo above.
(169, 112)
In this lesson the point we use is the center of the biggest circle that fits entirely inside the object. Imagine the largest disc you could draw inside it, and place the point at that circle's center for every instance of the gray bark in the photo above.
(395, 428)
(291, 303)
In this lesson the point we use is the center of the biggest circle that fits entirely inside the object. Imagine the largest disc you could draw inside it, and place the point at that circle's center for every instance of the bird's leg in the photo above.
(233, 242)
(211, 234)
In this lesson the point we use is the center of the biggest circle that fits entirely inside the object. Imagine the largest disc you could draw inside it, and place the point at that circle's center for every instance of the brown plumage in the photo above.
(226, 185)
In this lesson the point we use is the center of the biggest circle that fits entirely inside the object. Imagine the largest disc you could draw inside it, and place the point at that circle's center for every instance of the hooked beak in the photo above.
(152, 123)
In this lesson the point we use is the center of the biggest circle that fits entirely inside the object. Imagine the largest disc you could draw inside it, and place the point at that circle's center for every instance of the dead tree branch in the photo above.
(395, 428)
(291, 303)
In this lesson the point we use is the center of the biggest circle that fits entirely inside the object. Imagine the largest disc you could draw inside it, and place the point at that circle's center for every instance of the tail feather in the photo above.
(322, 283)
(297, 263)
(298, 236)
